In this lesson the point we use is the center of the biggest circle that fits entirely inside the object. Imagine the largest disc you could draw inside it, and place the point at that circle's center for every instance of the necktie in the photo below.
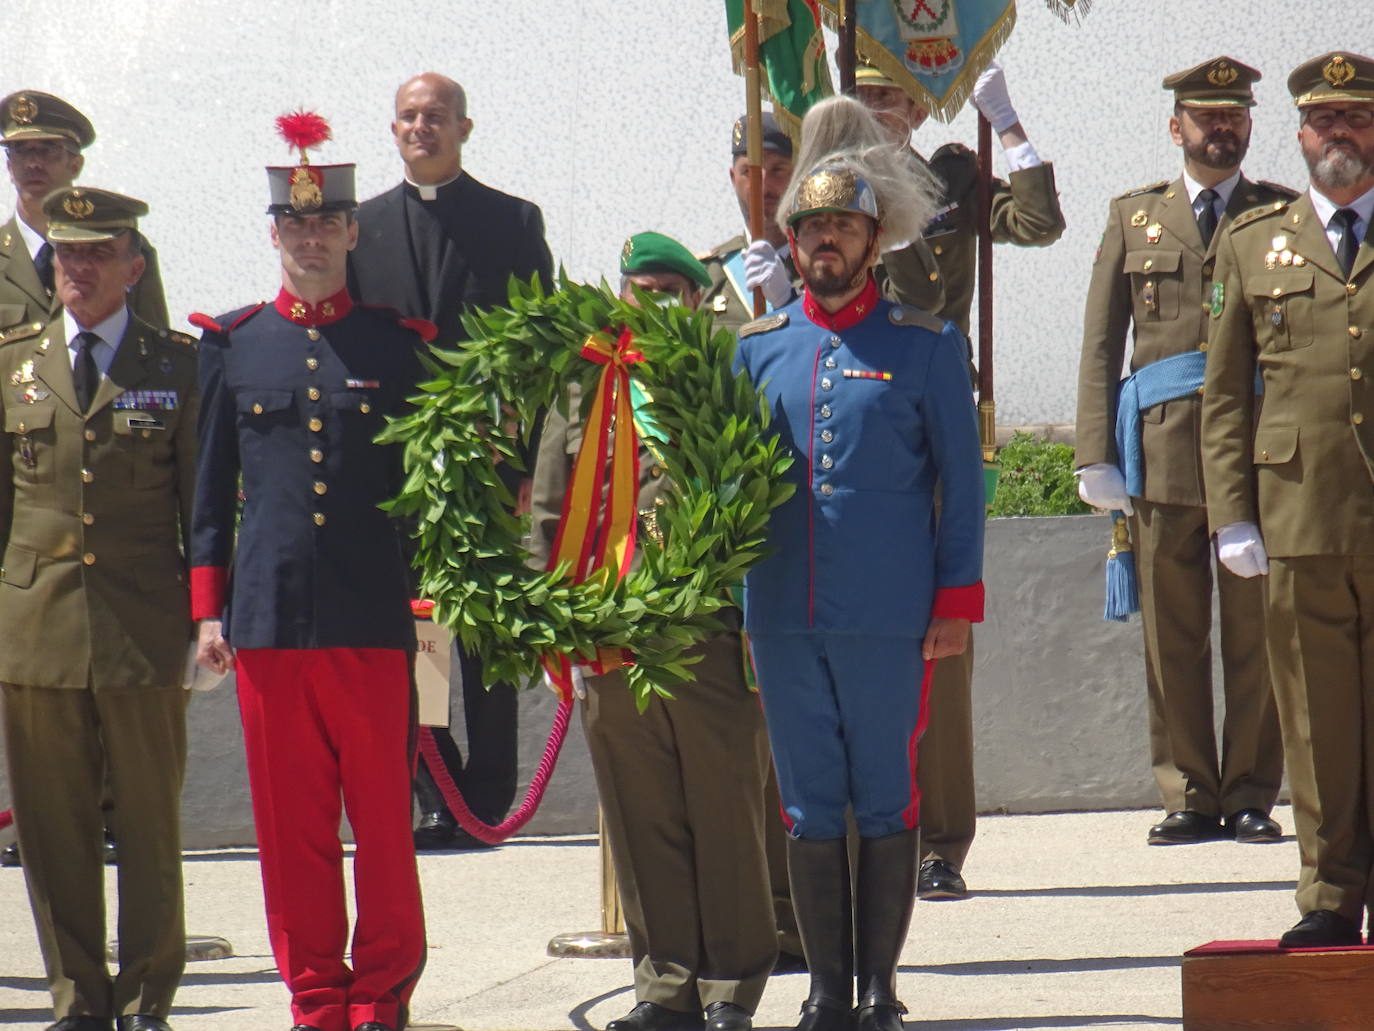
(1343, 221)
(85, 375)
(1207, 217)
(42, 261)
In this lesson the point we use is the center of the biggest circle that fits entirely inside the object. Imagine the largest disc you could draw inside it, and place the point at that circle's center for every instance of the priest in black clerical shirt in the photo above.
(431, 247)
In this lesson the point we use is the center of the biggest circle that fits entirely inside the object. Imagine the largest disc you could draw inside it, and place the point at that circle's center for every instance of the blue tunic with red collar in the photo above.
(874, 404)
(292, 396)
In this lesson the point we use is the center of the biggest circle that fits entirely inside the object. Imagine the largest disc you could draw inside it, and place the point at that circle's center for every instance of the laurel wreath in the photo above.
(724, 465)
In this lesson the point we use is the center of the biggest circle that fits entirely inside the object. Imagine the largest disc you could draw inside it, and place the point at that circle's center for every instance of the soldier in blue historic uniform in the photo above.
(862, 591)
(311, 605)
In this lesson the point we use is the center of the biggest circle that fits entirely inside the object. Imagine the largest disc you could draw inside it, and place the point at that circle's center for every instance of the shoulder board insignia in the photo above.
(909, 315)
(21, 332)
(426, 329)
(203, 321)
(1152, 188)
(764, 325)
(1255, 214)
(722, 251)
(1287, 192)
(172, 336)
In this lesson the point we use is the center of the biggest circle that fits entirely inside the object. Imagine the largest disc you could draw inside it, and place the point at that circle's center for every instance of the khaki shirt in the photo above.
(1151, 278)
(1282, 305)
(94, 512)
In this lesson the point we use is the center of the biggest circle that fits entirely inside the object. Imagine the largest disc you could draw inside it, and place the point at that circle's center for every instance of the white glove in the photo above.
(990, 97)
(764, 270)
(579, 683)
(1241, 550)
(1102, 486)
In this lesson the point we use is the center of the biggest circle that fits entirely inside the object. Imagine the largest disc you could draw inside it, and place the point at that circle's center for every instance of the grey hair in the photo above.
(841, 131)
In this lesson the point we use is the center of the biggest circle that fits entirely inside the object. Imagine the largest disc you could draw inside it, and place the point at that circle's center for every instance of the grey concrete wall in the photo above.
(1059, 701)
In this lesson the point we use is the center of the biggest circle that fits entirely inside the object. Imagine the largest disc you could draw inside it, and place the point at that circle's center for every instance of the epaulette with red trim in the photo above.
(426, 330)
(225, 322)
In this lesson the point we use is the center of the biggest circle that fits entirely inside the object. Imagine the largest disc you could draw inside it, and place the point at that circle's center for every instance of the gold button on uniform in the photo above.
(89, 434)
(1264, 454)
(655, 471)
(938, 249)
(1149, 264)
(1354, 331)
(827, 490)
(319, 518)
(88, 559)
(312, 364)
(313, 333)
(321, 487)
(1277, 290)
(1355, 373)
(313, 393)
(87, 476)
(257, 409)
(87, 518)
(827, 436)
(316, 425)
(1202, 346)
(1357, 418)
(364, 408)
(934, 276)
(316, 455)
(1351, 288)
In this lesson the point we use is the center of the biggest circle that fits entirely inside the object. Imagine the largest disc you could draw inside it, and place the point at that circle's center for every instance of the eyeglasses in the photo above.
(1323, 118)
(43, 150)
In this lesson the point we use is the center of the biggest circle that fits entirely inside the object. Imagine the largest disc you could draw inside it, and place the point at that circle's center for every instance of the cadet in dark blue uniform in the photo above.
(862, 591)
(312, 605)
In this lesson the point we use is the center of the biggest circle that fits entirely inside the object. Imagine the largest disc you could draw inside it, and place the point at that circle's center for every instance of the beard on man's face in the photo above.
(1339, 164)
(1220, 148)
(831, 281)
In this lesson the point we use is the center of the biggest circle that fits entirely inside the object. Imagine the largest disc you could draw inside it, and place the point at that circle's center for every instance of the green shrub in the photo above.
(1036, 479)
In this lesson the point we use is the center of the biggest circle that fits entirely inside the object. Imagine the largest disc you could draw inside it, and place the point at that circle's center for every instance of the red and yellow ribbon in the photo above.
(597, 539)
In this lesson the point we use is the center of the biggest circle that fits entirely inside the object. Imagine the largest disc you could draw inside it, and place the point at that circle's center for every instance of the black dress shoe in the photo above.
(373, 1025)
(726, 1016)
(1321, 929)
(1254, 827)
(141, 1022)
(650, 1016)
(790, 963)
(1185, 827)
(940, 882)
(304, 1027)
(439, 832)
(9, 856)
(83, 1024)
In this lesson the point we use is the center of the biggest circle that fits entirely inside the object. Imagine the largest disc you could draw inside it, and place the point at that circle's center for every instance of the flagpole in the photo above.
(845, 55)
(753, 106)
(987, 405)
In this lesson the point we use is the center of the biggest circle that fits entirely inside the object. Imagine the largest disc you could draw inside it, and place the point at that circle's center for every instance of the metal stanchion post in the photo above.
(611, 942)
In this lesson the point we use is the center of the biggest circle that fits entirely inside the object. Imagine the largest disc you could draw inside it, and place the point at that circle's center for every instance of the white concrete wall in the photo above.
(614, 118)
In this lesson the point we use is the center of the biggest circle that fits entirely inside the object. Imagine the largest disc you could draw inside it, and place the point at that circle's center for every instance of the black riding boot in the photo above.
(819, 871)
(886, 894)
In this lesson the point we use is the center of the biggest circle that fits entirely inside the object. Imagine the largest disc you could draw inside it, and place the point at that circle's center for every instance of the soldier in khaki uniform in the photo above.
(1288, 493)
(1152, 276)
(43, 137)
(738, 265)
(682, 784)
(99, 450)
(938, 273)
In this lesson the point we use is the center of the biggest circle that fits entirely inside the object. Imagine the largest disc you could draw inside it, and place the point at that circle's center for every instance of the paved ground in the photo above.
(1075, 923)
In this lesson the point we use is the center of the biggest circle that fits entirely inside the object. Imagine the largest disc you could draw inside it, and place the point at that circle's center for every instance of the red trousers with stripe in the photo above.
(326, 730)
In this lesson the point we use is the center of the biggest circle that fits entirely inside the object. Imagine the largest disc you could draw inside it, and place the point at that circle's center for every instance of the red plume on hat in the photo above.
(303, 130)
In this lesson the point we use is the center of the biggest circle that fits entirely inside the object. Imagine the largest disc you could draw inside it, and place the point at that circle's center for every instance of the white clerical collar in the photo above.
(32, 238)
(1325, 207)
(1223, 189)
(429, 191)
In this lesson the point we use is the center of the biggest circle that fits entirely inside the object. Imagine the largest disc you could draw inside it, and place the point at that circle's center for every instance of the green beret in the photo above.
(654, 252)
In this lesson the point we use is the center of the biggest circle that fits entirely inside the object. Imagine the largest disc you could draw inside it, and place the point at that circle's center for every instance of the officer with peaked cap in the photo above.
(937, 273)
(862, 593)
(43, 137)
(1151, 279)
(738, 265)
(98, 454)
(681, 785)
(1288, 480)
(311, 605)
